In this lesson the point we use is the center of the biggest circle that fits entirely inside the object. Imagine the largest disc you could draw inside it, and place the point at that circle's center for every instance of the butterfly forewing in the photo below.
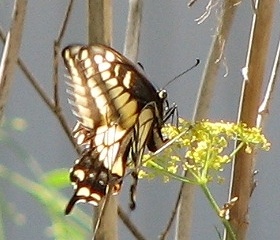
(100, 87)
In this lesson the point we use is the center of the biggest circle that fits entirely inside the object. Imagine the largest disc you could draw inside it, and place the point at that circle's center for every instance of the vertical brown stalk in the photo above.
(242, 182)
(10, 52)
(100, 31)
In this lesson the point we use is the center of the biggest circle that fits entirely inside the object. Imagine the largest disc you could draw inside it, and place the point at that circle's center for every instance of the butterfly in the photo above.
(119, 113)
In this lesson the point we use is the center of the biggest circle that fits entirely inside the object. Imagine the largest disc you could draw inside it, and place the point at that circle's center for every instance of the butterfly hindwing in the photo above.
(92, 176)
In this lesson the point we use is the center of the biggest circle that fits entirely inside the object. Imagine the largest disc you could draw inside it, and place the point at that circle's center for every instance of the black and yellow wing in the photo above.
(118, 111)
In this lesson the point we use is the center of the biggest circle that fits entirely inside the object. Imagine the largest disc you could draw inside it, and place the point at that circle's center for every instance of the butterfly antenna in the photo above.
(181, 74)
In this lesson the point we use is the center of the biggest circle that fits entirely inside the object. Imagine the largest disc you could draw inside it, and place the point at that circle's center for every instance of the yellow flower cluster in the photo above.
(202, 148)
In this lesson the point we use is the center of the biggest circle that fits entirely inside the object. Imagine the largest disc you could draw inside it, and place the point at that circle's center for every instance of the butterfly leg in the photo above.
(141, 134)
(171, 112)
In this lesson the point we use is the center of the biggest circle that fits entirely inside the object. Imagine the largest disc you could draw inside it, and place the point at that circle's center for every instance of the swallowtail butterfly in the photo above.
(119, 112)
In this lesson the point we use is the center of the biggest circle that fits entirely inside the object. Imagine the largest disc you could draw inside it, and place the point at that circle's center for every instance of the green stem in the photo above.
(194, 174)
(216, 208)
(240, 145)
(160, 168)
(205, 168)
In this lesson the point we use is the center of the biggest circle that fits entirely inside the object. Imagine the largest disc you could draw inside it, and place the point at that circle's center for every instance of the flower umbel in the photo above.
(203, 150)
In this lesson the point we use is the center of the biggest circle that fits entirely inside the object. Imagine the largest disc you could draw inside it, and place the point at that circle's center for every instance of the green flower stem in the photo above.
(160, 168)
(216, 208)
(205, 167)
(195, 175)
(238, 147)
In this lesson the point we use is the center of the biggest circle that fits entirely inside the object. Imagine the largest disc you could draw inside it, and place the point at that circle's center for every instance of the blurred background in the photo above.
(171, 40)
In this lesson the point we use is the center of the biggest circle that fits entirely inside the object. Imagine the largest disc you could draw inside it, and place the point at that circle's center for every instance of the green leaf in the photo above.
(58, 178)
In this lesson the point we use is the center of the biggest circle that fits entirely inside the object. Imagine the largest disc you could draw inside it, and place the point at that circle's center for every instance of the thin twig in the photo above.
(207, 12)
(265, 106)
(65, 22)
(138, 235)
(56, 52)
(173, 215)
(191, 2)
